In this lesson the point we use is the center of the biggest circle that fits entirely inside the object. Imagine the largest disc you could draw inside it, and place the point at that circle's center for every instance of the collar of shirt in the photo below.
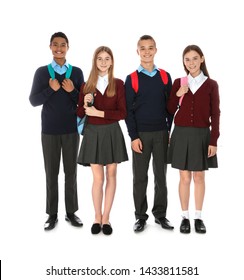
(102, 83)
(144, 71)
(60, 69)
(195, 83)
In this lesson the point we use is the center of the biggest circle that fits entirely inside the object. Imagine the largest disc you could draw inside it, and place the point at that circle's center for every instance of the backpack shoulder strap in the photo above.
(164, 76)
(134, 81)
(51, 71)
(183, 81)
(68, 72)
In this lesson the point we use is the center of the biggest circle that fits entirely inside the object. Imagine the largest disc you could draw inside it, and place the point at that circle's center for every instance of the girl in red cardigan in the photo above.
(102, 99)
(193, 145)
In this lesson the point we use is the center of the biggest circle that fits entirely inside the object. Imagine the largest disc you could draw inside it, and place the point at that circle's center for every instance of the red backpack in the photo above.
(135, 83)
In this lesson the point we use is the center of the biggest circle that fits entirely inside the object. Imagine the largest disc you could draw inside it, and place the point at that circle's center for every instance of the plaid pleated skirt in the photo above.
(188, 149)
(102, 144)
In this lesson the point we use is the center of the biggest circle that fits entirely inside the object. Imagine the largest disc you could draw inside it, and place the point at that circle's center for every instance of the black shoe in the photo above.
(107, 229)
(139, 225)
(74, 220)
(185, 226)
(96, 228)
(51, 222)
(199, 226)
(165, 223)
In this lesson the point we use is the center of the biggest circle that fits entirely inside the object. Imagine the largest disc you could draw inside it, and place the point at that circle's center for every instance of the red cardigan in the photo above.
(114, 107)
(197, 110)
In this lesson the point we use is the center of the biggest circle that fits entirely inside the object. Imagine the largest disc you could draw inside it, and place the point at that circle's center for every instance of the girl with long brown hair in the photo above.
(102, 100)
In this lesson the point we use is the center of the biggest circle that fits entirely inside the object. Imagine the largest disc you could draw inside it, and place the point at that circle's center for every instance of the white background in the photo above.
(26, 250)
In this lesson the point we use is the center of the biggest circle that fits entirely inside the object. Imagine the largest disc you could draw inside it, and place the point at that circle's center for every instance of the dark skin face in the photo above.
(59, 48)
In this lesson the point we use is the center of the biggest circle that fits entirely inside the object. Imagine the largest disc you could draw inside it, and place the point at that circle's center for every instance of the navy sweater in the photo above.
(58, 108)
(146, 110)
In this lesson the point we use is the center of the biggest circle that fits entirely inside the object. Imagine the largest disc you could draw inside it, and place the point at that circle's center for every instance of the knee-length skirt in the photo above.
(102, 144)
(188, 149)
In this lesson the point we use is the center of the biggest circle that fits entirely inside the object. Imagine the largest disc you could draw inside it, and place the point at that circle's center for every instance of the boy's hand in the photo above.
(136, 146)
(54, 84)
(68, 85)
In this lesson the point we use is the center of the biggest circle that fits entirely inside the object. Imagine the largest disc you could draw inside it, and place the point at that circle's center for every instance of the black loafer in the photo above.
(51, 222)
(74, 220)
(185, 226)
(199, 226)
(96, 228)
(139, 225)
(165, 223)
(107, 229)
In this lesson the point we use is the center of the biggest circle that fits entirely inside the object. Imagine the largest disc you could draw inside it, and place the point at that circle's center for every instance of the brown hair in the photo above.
(91, 83)
(195, 48)
(145, 37)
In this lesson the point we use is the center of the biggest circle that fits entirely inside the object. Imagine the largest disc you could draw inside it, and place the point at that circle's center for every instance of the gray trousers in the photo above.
(155, 144)
(53, 146)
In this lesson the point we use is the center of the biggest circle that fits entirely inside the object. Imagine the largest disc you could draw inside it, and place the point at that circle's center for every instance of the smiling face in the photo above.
(59, 48)
(104, 61)
(146, 49)
(192, 61)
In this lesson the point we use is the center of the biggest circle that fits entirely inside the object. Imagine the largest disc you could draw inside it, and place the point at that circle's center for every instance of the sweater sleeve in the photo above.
(169, 116)
(80, 108)
(40, 91)
(214, 114)
(120, 112)
(130, 101)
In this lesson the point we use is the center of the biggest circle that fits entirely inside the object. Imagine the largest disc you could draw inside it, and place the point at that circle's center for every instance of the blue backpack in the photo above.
(82, 121)
(81, 124)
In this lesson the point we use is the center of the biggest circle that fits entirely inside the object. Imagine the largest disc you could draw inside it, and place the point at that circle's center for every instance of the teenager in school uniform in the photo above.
(193, 145)
(102, 99)
(59, 98)
(148, 124)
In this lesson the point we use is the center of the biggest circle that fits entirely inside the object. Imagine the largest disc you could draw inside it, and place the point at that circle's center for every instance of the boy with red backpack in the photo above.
(148, 124)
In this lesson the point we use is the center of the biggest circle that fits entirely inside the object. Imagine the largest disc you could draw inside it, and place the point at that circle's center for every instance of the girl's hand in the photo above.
(212, 150)
(90, 111)
(182, 90)
(88, 99)
(93, 112)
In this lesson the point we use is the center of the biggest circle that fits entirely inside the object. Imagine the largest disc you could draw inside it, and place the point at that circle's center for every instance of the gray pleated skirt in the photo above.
(102, 144)
(188, 149)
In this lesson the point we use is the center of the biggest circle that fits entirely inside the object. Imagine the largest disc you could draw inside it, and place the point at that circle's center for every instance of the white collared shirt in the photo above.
(195, 83)
(102, 83)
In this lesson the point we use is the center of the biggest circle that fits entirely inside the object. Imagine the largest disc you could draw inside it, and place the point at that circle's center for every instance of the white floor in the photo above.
(27, 250)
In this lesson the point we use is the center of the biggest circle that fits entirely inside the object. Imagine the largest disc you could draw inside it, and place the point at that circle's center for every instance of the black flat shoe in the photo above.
(73, 219)
(139, 225)
(165, 223)
(199, 226)
(107, 229)
(96, 228)
(51, 222)
(185, 226)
